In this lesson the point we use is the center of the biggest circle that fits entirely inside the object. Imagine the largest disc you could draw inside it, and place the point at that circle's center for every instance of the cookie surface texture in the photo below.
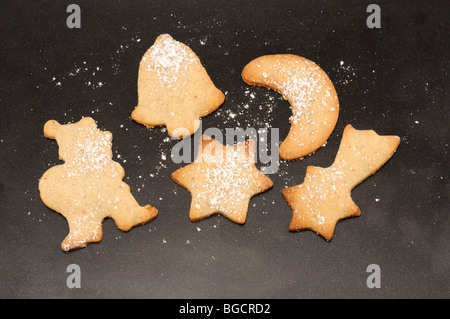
(309, 91)
(324, 198)
(174, 88)
(88, 187)
(222, 180)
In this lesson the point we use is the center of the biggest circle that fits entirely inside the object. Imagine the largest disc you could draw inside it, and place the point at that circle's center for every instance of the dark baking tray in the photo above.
(394, 80)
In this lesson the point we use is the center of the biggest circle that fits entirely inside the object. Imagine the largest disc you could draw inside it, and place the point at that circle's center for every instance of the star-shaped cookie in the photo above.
(174, 88)
(222, 180)
(324, 198)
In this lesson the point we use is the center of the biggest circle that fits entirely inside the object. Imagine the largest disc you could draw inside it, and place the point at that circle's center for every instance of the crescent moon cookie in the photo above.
(222, 180)
(174, 89)
(313, 99)
(88, 187)
(324, 198)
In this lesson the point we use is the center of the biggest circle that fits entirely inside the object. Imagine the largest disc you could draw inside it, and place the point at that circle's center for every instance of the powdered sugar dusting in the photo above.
(225, 179)
(310, 93)
(301, 84)
(88, 187)
(91, 152)
(87, 152)
(169, 59)
(225, 182)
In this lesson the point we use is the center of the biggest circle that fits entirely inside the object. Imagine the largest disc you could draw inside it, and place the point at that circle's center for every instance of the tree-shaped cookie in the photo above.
(88, 187)
(325, 195)
(222, 180)
(313, 99)
(174, 88)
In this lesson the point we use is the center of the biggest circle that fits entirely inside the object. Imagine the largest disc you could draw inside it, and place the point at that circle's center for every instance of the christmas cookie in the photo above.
(222, 180)
(324, 198)
(174, 89)
(313, 99)
(88, 187)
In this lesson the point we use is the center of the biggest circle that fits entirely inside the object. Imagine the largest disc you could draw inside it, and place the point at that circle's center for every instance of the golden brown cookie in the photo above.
(222, 180)
(325, 195)
(174, 89)
(88, 187)
(313, 99)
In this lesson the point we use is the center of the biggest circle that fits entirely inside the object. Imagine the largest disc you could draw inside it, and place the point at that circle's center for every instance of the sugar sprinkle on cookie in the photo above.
(88, 187)
(222, 180)
(311, 94)
(174, 88)
(324, 197)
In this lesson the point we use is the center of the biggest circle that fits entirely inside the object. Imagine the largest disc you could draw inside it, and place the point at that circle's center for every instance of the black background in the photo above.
(394, 80)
